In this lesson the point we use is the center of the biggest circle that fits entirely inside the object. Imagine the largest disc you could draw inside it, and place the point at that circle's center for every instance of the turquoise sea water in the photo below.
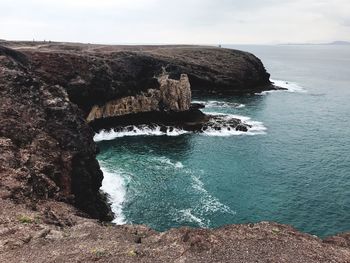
(293, 167)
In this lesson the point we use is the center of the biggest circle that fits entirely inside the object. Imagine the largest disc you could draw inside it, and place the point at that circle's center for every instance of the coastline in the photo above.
(47, 170)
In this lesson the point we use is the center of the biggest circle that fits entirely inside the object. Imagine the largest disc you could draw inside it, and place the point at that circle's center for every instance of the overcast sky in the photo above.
(176, 21)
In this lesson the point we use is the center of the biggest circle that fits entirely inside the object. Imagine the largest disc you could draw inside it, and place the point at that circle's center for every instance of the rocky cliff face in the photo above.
(172, 95)
(47, 151)
(96, 74)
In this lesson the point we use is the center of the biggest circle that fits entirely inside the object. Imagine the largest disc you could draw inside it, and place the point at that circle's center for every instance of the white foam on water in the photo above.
(179, 165)
(114, 185)
(142, 130)
(205, 205)
(289, 86)
(256, 128)
(220, 104)
(188, 216)
(167, 161)
(208, 203)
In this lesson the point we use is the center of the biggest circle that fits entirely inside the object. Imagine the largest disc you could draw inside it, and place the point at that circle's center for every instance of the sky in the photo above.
(176, 21)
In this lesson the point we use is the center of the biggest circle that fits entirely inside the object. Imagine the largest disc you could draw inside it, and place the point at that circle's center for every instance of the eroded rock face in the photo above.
(145, 102)
(172, 95)
(47, 151)
(175, 94)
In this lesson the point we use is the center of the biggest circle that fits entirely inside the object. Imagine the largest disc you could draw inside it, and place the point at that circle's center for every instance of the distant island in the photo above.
(330, 43)
(339, 43)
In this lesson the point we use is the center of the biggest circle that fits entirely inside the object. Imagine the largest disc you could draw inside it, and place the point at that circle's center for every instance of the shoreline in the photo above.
(50, 178)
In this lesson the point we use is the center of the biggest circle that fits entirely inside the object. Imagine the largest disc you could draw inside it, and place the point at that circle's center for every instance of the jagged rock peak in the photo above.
(175, 94)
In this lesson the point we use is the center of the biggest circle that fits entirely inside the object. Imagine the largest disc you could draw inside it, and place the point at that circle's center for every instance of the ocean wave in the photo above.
(254, 128)
(208, 203)
(218, 120)
(114, 185)
(289, 86)
(141, 130)
(165, 160)
(187, 215)
(205, 206)
(220, 104)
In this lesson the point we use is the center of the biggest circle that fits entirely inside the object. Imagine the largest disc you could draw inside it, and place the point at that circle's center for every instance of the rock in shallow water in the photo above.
(241, 127)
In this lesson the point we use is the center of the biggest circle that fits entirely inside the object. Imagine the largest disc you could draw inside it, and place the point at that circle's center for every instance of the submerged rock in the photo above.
(241, 127)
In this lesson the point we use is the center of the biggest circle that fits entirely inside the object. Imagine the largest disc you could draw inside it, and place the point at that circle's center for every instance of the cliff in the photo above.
(47, 150)
(50, 179)
(95, 74)
(172, 95)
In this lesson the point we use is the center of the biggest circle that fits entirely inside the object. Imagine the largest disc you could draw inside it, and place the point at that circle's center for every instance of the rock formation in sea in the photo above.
(50, 179)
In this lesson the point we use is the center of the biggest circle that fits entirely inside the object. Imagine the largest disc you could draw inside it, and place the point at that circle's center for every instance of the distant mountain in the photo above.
(331, 43)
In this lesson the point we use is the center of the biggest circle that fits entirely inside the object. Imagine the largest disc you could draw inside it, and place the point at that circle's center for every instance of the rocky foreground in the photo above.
(53, 94)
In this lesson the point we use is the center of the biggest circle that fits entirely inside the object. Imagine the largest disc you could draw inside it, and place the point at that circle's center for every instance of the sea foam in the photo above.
(144, 130)
(219, 104)
(114, 185)
(141, 130)
(206, 205)
(173, 164)
(255, 129)
(289, 86)
(209, 203)
(187, 215)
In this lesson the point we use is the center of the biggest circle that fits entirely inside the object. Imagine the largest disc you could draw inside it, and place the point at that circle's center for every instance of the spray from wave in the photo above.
(114, 185)
(220, 104)
(287, 85)
(187, 215)
(167, 161)
(254, 127)
(207, 205)
(218, 126)
(139, 130)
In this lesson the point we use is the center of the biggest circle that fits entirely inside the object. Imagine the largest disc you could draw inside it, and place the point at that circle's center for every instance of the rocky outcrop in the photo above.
(172, 95)
(31, 240)
(175, 94)
(96, 74)
(47, 151)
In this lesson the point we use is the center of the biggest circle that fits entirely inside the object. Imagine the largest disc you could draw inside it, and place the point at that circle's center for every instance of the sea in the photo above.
(291, 167)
